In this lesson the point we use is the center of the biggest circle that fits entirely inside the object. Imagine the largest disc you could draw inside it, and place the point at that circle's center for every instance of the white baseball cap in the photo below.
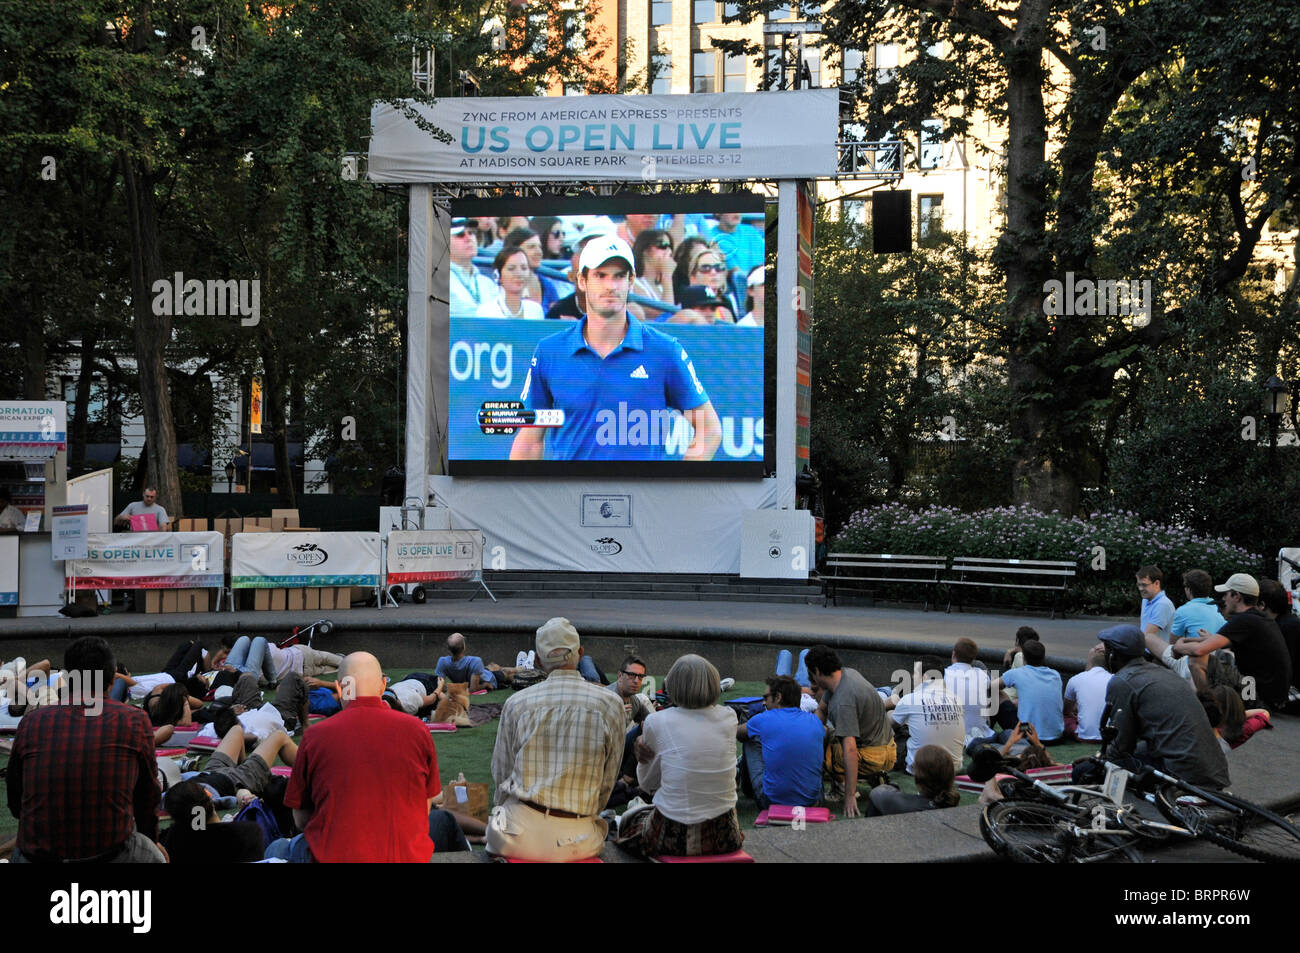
(603, 249)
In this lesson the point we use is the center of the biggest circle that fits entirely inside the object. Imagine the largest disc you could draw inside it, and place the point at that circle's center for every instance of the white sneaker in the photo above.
(532, 660)
(728, 683)
(521, 660)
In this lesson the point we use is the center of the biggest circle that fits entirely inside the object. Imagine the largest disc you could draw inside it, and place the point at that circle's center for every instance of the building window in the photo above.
(931, 153)
(704, 72)
(662, 84)
(575, 89)
(853, 211)
(661, 12)
(733, 73)
(886, 62)
(929, 216)
(731, 10)
(813, 60)
(852, 72)
(780, 12)
(704, 11)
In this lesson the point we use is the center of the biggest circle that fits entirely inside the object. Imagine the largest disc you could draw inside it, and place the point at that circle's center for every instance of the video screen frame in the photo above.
(615, 207)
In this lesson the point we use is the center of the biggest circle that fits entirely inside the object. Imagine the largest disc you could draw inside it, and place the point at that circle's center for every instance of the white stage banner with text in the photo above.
(772, 135)
(434, 555)
(149, 561)
(303, 560)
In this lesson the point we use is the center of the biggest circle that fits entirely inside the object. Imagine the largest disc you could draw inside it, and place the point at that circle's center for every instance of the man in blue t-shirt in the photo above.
(784, 748)
(1041, 702)
(1157, 615)
(621, 384)
(459, 667)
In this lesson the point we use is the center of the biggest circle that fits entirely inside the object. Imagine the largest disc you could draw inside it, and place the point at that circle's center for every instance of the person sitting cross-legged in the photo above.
(363, 781)
(783, 749)
(687, 757)
(557, 756)
(863, 742)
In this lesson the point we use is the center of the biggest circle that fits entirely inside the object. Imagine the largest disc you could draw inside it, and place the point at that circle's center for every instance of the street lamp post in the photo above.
(1275, 403)
(230, 476)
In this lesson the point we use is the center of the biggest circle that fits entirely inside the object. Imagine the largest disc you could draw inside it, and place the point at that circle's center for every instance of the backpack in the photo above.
(258, 813)
(1221, 669)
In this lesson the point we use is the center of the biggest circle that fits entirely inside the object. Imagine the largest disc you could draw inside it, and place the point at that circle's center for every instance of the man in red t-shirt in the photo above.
(363, 781)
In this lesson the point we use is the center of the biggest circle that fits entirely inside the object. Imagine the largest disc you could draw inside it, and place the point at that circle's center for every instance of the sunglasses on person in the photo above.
(705, 269)
(556, 233)
(663, 244)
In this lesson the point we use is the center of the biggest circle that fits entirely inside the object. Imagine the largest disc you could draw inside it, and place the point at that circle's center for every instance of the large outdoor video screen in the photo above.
(622, 335)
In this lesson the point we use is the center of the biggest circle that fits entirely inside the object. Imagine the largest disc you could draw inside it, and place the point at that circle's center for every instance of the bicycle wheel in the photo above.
(1031, 832)
(1249, 830)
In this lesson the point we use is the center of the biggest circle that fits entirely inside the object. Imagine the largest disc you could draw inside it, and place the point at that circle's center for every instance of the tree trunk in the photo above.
(80, 422)
(33, 341)
(1039, 476)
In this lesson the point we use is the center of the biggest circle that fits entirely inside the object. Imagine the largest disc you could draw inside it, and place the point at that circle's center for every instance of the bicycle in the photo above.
(1081, 824)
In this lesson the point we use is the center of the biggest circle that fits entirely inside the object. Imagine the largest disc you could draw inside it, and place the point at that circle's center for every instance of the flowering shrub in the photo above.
(1108, 547)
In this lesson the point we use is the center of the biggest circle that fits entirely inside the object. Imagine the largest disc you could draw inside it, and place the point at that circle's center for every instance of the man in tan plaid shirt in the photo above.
(557, 756)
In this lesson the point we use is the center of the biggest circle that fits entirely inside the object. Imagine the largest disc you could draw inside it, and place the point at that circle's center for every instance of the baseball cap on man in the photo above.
(458, 225)
(557, 642)
(1125, 639)
(1240, 582)
(603, 249)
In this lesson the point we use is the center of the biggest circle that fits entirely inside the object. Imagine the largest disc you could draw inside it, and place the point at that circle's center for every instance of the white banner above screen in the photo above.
(774, 135)
(303, 560)
(149, 561)
(434, 555)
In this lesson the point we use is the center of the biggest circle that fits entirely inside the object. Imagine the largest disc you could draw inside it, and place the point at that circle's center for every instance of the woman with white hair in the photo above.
(687, 757)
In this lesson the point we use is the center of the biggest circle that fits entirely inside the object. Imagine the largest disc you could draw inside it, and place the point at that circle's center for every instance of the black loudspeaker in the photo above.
(891, 222)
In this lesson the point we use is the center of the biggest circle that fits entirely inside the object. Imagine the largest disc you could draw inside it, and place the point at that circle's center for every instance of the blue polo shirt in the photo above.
(793, 743)
(618, 407)
(1194, 614)
(1159, 612)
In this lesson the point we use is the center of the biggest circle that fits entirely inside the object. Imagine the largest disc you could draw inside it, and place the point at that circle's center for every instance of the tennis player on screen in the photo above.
(618, 381)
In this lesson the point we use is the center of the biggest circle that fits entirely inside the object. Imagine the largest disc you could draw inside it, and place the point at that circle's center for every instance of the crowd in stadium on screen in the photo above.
(691, 269)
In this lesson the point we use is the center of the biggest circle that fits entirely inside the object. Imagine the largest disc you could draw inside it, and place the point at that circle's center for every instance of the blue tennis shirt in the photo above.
(620, 407)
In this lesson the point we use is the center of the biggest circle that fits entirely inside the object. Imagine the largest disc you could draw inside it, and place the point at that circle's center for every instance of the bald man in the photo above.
(363, 781)
(459, 667)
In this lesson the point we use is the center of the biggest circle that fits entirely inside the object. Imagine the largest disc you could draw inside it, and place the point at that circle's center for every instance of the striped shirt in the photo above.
(80, 783)
(560, 745)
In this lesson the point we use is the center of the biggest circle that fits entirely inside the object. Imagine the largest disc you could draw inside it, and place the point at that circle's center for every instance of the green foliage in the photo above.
(1108, 547)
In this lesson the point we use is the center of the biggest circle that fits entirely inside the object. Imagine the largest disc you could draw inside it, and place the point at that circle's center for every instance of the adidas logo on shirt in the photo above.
(640, 373)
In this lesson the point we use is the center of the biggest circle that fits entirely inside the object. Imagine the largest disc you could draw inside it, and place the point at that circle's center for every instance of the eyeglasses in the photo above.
(667, 245)
(556, 233)
(705, 269)
(634, 675)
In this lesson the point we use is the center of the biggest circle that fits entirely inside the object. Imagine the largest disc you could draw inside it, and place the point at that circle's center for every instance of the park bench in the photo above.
(883, 567)
(1045, 575)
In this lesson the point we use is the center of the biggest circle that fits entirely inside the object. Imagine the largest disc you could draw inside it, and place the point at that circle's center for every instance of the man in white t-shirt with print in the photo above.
(933, 715)
(1085, 696)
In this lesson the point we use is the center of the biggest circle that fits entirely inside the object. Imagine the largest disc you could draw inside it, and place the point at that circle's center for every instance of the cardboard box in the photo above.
(255, 528)
(311, 598)
(152, 600)
(326, 597)
(342, 597)
(261, 599)
(169, 600)
(235, 526)
(278, 601)
(286, 515)
(277, 524)
(297, 599)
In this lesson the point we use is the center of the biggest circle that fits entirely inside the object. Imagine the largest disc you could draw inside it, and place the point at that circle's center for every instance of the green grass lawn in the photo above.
(469, 750)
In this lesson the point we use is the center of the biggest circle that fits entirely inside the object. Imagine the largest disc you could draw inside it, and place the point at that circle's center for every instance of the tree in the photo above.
(1220, 69)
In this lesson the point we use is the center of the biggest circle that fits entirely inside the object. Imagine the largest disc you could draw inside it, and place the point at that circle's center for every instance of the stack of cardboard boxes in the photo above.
(182, 600)
(284, 521)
